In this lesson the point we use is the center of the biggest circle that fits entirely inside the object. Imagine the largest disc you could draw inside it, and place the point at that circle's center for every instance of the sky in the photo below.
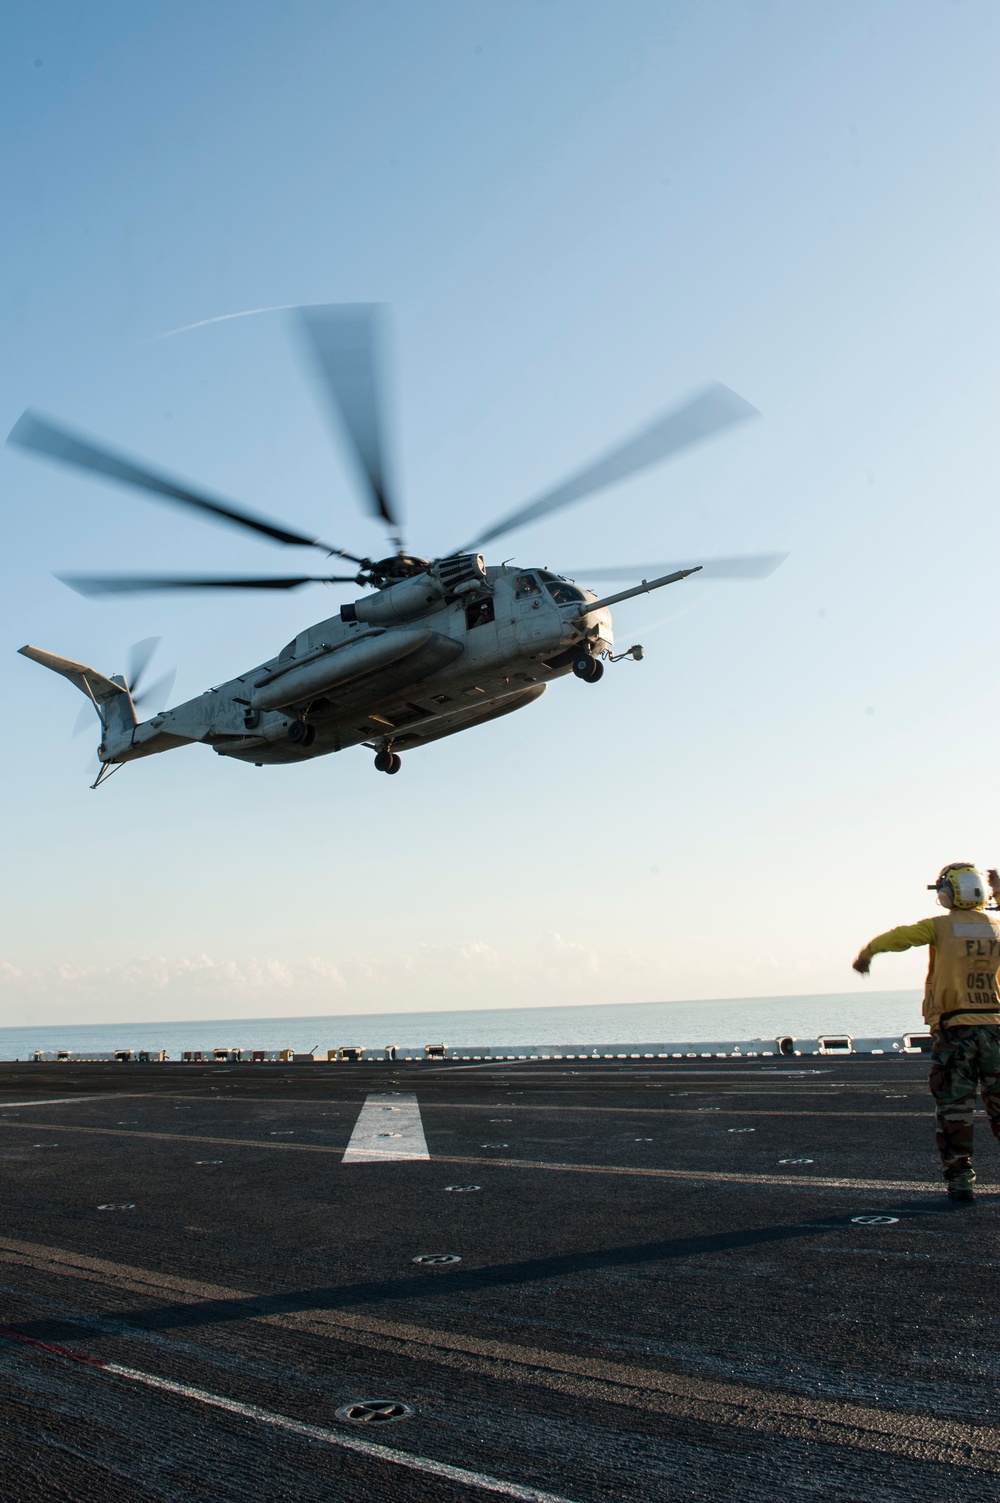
(577, 213)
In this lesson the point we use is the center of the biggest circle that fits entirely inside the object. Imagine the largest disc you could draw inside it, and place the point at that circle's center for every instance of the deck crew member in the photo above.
(961, 1010)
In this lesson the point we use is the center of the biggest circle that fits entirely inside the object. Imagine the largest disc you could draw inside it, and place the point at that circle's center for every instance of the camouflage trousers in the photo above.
(962, 1060)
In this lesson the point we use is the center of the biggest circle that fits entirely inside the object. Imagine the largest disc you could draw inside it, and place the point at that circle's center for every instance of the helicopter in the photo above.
(437, 646)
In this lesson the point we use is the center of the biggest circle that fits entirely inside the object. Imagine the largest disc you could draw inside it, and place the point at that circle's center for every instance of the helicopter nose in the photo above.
(599, 629)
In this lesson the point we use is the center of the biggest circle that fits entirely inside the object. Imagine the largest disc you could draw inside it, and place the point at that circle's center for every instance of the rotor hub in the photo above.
(388, 571)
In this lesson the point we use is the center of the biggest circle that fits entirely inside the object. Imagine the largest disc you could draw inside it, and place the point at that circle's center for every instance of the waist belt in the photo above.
(960, 1012)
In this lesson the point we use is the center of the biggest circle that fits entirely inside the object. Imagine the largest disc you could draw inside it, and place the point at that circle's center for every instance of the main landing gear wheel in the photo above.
(301, 734)
(387, 761)
(588, 668)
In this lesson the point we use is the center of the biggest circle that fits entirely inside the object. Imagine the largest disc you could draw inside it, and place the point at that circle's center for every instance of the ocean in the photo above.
(875, 1015)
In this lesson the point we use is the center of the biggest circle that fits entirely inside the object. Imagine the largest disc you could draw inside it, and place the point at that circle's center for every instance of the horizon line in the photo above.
(455, 1011)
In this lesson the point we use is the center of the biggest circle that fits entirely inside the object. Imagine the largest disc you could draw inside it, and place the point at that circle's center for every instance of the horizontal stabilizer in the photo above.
(96, 687)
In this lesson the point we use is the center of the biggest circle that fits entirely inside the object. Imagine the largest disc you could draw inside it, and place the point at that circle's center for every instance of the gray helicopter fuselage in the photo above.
(439, 646)
(425, 667)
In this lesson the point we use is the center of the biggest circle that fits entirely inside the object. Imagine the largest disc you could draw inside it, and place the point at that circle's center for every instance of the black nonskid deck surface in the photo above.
(697, 1280)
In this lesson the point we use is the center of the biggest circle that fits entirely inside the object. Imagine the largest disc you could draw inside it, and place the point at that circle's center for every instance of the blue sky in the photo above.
(578, 213)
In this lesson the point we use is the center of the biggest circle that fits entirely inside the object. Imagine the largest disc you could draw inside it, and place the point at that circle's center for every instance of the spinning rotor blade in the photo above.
(343, 340)
(42, 437)
(139, 657)
(158, 693)
(84, 719)
(710, 412)
(115, 584)
(744, 566)
(138, 661)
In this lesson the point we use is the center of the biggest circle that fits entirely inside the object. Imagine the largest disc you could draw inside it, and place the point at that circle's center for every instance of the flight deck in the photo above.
(589, 1281)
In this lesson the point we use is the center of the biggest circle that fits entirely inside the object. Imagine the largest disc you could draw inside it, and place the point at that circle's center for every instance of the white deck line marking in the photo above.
(386, 1113)
(336, 1438)
(799, 1182)
(424, 1464)
(916, 1435)
(64, 1100)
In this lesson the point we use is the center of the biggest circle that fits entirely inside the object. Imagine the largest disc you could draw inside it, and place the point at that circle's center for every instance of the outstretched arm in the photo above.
(905, 937)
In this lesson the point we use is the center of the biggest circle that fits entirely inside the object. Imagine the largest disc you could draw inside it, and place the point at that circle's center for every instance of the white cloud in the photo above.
(538, 970)
(198, 978)
(470, 973)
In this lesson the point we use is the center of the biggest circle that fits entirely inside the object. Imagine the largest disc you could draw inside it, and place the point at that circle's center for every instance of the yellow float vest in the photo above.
(961, 989)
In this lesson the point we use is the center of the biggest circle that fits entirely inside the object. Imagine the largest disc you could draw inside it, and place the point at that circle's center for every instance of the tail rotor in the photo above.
(157, 693)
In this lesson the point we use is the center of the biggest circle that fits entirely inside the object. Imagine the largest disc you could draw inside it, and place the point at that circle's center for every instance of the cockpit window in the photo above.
(525, 586)
(479, 613)
(563, 593)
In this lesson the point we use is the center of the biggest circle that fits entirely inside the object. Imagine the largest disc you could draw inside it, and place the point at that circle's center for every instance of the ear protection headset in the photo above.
(961, 886)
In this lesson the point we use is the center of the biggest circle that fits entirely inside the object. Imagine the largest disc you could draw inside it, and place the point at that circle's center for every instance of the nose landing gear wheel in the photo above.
(588, 668)
(387, 761)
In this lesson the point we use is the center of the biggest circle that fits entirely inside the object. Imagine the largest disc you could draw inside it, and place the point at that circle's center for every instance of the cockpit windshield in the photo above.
(564, 593)
(526, 586)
